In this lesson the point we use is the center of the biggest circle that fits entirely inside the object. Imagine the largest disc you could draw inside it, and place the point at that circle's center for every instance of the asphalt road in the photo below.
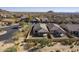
(9, 33)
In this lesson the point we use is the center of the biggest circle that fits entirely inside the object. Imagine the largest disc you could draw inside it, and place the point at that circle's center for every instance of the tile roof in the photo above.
(40, 27)
(53, 27)
(72, 27)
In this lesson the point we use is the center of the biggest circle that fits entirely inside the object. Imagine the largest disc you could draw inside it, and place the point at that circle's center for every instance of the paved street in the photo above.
(9, 33)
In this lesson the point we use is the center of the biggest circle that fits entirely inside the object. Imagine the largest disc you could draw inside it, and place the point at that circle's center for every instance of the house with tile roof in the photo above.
(55, 30)
(73, 29)
(39, 30)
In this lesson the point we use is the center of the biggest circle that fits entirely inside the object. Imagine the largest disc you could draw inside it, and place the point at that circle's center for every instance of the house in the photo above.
(3, 16)
(75, 21)
(39, 30)
(44, 20)
(7, 21)
(33, 21)
(38, 19)
(55, 30)
(73, 29)
(51, 21)
(24, 18)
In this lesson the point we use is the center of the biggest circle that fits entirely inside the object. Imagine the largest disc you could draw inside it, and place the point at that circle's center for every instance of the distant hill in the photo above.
(4, 11)
(50, 11)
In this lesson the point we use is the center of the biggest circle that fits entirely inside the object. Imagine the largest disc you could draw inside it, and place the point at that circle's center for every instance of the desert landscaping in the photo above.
(39, 31)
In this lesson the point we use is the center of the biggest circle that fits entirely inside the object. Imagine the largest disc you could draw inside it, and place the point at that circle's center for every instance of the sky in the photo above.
(41, 9)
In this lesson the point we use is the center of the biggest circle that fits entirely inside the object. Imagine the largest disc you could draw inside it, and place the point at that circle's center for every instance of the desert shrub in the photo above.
(58, 51)
(15, 38)
(28, 46)
(30, 41)
(11, 49)
(43, 42)
(76, 43)
(24, 26)
(40, 43)
(67, 42)
(51, 43)
(71, 46)
(51, 51)
(22, 23)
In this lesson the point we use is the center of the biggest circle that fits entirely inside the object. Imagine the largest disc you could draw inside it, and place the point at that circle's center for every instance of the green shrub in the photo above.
(11, 49)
